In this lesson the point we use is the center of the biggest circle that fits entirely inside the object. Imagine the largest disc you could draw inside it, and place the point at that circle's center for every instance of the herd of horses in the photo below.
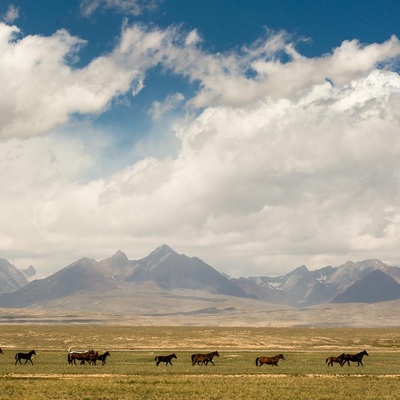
(91, 357)
(346, 358)
(204, 359)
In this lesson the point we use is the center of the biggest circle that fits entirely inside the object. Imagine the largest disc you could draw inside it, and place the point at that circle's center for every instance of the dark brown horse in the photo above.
(354, 358)
(166, 359)
(103, 357)
(339, 360)
(24, 356)
(93, 357)
(80, 356)
(204, 358)
(269, 360)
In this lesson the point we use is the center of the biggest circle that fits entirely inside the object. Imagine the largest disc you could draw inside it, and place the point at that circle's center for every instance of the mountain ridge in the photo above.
(164, 272)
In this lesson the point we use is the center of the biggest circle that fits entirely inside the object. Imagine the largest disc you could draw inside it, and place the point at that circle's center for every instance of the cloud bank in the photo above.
(279, 163)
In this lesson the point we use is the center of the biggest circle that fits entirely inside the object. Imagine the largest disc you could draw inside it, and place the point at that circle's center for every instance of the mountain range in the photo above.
(166, 272)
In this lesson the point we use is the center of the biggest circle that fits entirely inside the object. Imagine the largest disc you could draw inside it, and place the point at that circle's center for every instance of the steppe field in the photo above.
(131, 372)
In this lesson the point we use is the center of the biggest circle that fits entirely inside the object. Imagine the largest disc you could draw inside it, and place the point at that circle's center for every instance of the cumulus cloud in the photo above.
(277, 168)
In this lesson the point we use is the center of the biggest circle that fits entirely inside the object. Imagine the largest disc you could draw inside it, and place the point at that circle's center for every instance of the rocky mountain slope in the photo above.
(11, 278)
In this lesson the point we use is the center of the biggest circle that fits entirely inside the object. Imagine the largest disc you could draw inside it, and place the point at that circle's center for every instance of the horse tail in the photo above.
(16, 357)
(193, 358)
(327, 360)
(156, 358)
(257, 361)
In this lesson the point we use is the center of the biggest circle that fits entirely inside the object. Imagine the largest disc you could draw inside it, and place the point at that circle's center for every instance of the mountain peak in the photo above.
(299, 270)
(120, 257)
(162, 250)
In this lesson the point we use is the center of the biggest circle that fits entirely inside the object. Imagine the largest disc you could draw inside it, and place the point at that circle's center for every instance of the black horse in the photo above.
(204, 358)
(103, 357)
(166, 359)
(24, 356)
(354, 358)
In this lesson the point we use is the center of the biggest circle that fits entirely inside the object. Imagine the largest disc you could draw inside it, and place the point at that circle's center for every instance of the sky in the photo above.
(257, 135)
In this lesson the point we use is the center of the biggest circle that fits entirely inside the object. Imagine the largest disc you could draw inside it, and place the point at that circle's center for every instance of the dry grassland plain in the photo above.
(131, 372)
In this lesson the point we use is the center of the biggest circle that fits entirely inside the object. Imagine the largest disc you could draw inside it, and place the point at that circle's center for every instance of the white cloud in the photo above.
(277, 170)
(130, 7)
(158, 109)
(11, 15)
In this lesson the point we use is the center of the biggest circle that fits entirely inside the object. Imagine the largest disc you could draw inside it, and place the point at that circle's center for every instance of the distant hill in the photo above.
(29, 272)
(302, 288)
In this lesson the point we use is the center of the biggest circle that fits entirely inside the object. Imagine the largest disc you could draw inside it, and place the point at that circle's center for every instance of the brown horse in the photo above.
(269, 360)
(166, 359)
(80, 356)
(204, 358)
(355, 358)
(339, 360)
(24, 356)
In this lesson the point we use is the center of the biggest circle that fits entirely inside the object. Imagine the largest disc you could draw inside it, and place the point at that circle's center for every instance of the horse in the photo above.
(81, 356)
(25, 356)
(269, 360)
(339, 360)
(93, 357)
(103, 357)
(355, 358)
(204, 358)
(166, 359)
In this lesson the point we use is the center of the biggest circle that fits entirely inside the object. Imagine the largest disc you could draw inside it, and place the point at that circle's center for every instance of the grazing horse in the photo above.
(339, 360)
(269, 360)
(103, 357)
(25, 356)
(354, 358)
(204, 358)
(166, 359)
(82, 356)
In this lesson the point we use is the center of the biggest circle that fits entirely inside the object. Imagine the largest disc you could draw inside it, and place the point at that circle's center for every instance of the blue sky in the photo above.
(256, 135)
